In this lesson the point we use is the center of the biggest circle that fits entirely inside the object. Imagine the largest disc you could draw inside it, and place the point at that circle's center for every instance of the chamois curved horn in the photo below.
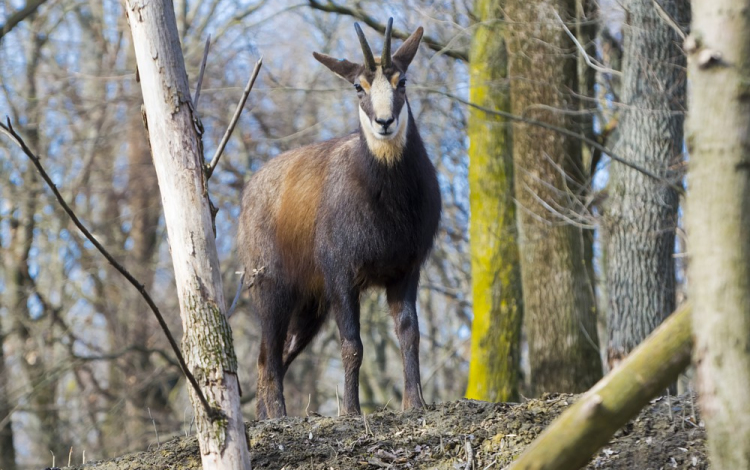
(369, 59)
(385, 58)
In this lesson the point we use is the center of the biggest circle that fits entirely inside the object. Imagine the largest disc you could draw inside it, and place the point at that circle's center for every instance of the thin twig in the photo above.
(692, 403)
(215, 160)
(367, 425)
(469, 454)
(11, 133)
(236, 295)
(200, 74)
(583, 52)
(669, 20)
(555, 212)
(153, 421)
(569, 133)
(338, 403)
(669, 405)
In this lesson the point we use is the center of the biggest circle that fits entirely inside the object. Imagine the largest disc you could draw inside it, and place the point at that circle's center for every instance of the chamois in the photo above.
(321, 223)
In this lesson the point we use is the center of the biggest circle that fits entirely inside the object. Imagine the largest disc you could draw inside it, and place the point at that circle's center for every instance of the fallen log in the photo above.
(570, 441)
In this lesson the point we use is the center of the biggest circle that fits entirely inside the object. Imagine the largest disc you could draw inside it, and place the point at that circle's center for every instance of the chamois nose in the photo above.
(384, 123)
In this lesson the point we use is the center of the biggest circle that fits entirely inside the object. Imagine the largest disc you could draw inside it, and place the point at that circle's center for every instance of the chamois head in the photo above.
(380, 83)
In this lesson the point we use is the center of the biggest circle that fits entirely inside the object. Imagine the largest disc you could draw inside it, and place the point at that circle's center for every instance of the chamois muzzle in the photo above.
(384, 123)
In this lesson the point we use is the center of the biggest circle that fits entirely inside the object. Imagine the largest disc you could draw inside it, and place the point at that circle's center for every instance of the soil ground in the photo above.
(458, 435)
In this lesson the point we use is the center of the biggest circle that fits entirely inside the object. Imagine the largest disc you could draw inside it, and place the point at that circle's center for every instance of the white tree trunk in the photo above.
(718, 222)
(176, 150)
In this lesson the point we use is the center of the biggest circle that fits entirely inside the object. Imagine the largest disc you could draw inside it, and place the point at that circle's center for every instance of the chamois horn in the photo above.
(369, 59)
(385, 58)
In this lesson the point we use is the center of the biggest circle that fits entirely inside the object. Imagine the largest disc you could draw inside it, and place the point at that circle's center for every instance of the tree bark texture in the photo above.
(718, 222)
(177, 153)
(559, 303)
(640, 213)
(570, 441)
(495, 271)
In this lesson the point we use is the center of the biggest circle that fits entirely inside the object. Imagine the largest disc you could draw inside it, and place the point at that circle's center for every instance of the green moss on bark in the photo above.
(496, 281)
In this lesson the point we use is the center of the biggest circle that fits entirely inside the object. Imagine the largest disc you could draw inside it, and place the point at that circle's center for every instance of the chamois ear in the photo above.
(343, 68)
(404, 55)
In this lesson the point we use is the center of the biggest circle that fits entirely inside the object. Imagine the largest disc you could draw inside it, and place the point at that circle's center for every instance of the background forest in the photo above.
(556, 128)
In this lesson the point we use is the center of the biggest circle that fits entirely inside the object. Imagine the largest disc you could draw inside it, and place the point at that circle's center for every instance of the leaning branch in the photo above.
(561, 130)
(248, 88)
(669, 19)
(570, 441)
(20, 15)
(200, 73)
(359, 14)
(11, 133)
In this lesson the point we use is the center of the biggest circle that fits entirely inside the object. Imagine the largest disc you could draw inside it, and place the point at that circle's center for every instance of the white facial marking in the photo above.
(381, 96)
(386, 148)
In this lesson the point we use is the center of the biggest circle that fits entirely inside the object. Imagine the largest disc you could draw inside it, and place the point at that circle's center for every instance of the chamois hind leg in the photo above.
(275, 304)
(402, 303)
(305, 324)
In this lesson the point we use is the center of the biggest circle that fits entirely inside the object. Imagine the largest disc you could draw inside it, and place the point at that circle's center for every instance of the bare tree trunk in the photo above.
(35, 336)
(177, 153)
(7, 449)
(718, 222)
(559, 304)
(640, 213)
(494, 369)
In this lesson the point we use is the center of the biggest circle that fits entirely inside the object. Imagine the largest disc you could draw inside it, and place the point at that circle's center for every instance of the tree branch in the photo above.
(11, 133)
(20, 15)
(669, 20)
(561, 130)
(359, 14)
(200, 74)
(215, 159)
(589, 61)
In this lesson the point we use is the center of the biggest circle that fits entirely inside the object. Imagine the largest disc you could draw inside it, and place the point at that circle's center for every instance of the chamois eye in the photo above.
(358, 87)
(402, 83)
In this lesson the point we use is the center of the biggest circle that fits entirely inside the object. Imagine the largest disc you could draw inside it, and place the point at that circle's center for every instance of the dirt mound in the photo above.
(459, 435)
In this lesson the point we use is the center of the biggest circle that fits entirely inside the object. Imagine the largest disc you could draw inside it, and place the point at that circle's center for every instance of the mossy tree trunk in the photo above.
(640, 214)
(559, 304)
(718, 222)
(496, 277)
(178, 159)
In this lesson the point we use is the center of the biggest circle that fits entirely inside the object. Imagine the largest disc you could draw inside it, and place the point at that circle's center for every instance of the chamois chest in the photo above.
(381, 226)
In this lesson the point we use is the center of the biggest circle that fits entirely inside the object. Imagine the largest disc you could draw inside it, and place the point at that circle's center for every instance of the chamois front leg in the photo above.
(345, 307)
(402, 302)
